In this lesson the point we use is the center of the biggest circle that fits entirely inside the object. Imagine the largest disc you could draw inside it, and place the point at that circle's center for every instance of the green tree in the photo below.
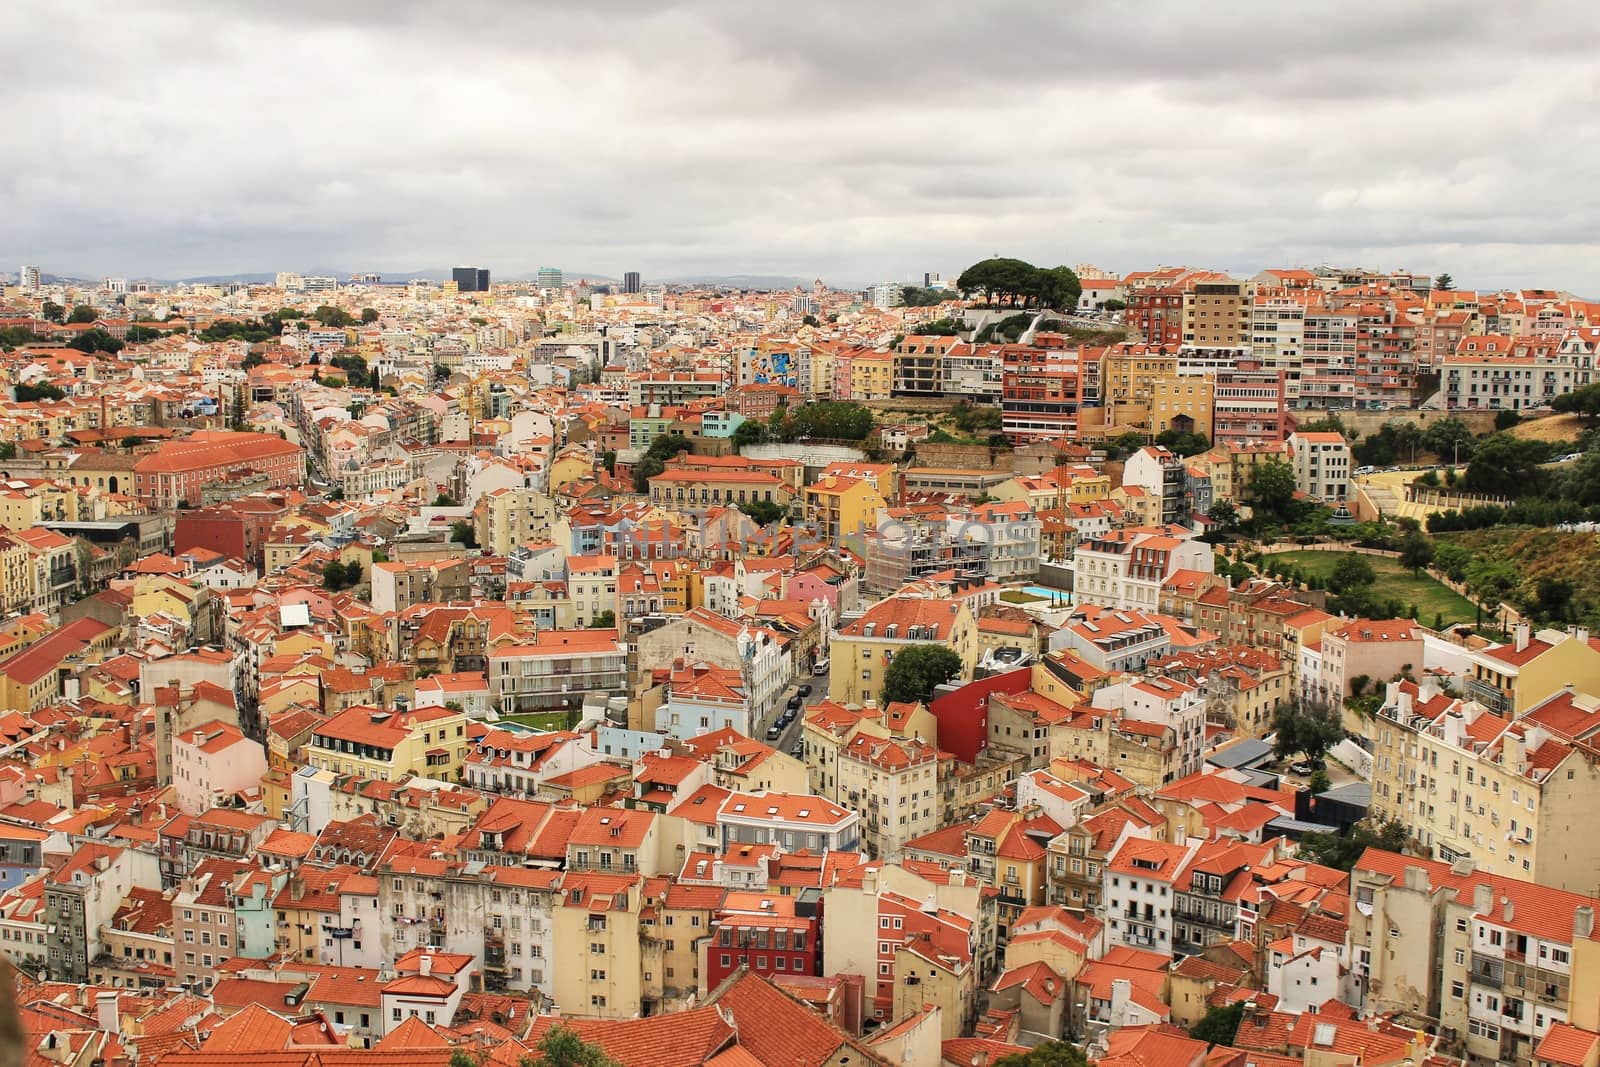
(1272, 486)
(1584, 401)
(92, 341)
(43, 391)
(8, 450)
(334, 575)
(1115, 305)
(1049, 1054)
(336, 318)
(749, 432)
(1125, 445)
(440, 372)
(1350, 573)
(1320, 782)
(52, 311)
(1504, 420)
(1444, 283)
(138, 335)
(1220, 1025)
(608, 460)
(82, 313)
(655, 459)
(914, 296)
(763, 512)
(445, 500)
(1452, 559)
(369, 316)
(1306, 728)
(914, 673)
(605, 620)
(1416, 551)
(1329, 423)
(1449, 438)
(462, 533)
(561, 1047)
(1183, 444)
(1342, 851)
(16, 336)
(1225, 515)
(1059, 287)
(1503, 465)
(1554, 598)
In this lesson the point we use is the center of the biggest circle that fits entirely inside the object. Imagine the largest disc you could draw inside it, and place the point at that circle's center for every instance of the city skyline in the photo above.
(518, 137)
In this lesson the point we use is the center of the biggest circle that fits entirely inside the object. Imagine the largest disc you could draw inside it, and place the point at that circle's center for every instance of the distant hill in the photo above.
(744, 281)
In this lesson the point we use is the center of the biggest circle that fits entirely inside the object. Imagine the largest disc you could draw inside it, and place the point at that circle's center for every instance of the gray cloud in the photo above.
(848, 141)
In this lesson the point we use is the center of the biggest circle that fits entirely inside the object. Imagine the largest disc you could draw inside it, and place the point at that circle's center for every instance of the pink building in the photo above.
(213, 761)
(1377, 649)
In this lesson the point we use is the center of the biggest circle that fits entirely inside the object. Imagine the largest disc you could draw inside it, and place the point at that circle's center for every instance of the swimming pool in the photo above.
(1042, 593)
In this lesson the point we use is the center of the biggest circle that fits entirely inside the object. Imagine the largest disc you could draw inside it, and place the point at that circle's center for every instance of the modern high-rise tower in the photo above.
(630, 282)
(549, 277)
(470, 279)
(28, 277)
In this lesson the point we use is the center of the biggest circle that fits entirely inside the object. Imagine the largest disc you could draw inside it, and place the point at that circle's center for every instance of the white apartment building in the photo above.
(1504, 373)
(790, 820)
(1321, 464)
(1163, 702)
(1138, 886)
(1125, 569)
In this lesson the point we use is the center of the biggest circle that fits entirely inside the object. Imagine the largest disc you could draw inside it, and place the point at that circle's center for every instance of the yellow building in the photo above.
(607, 951)
(861, 652)
(18, 584)
(1466, 782)
(925, 975)
(1216, 313)
(871, 377)
(1181, 402)
(508, 518)
(572, 465)
(370, 742)
(840, 507)
(1513, 677)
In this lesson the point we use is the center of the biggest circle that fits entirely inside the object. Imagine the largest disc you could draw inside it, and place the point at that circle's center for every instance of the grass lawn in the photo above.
(1017, 596)
(1425, 592)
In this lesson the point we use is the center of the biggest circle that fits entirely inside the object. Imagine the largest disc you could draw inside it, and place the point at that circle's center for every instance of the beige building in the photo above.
(611, 961)
(1505, 794)
(861, 651)
(1499, 962)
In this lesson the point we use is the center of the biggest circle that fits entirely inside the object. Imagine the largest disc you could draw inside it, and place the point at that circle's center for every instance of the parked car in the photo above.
(805, 689)
(795, 701)
(774, 732)
(820, 667)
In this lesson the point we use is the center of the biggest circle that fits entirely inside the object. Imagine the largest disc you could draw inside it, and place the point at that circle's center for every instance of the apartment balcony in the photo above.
(1488, 971)
(1488, 695)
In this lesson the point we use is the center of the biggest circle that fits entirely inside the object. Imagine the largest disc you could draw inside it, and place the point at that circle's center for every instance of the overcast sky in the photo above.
(851, 141)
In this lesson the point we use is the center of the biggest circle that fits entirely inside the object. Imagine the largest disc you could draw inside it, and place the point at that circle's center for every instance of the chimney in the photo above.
(425, 965)
(1583, 923)
(107, 1015)
(1523, 633)
(1121, 989)
(1482, 898)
